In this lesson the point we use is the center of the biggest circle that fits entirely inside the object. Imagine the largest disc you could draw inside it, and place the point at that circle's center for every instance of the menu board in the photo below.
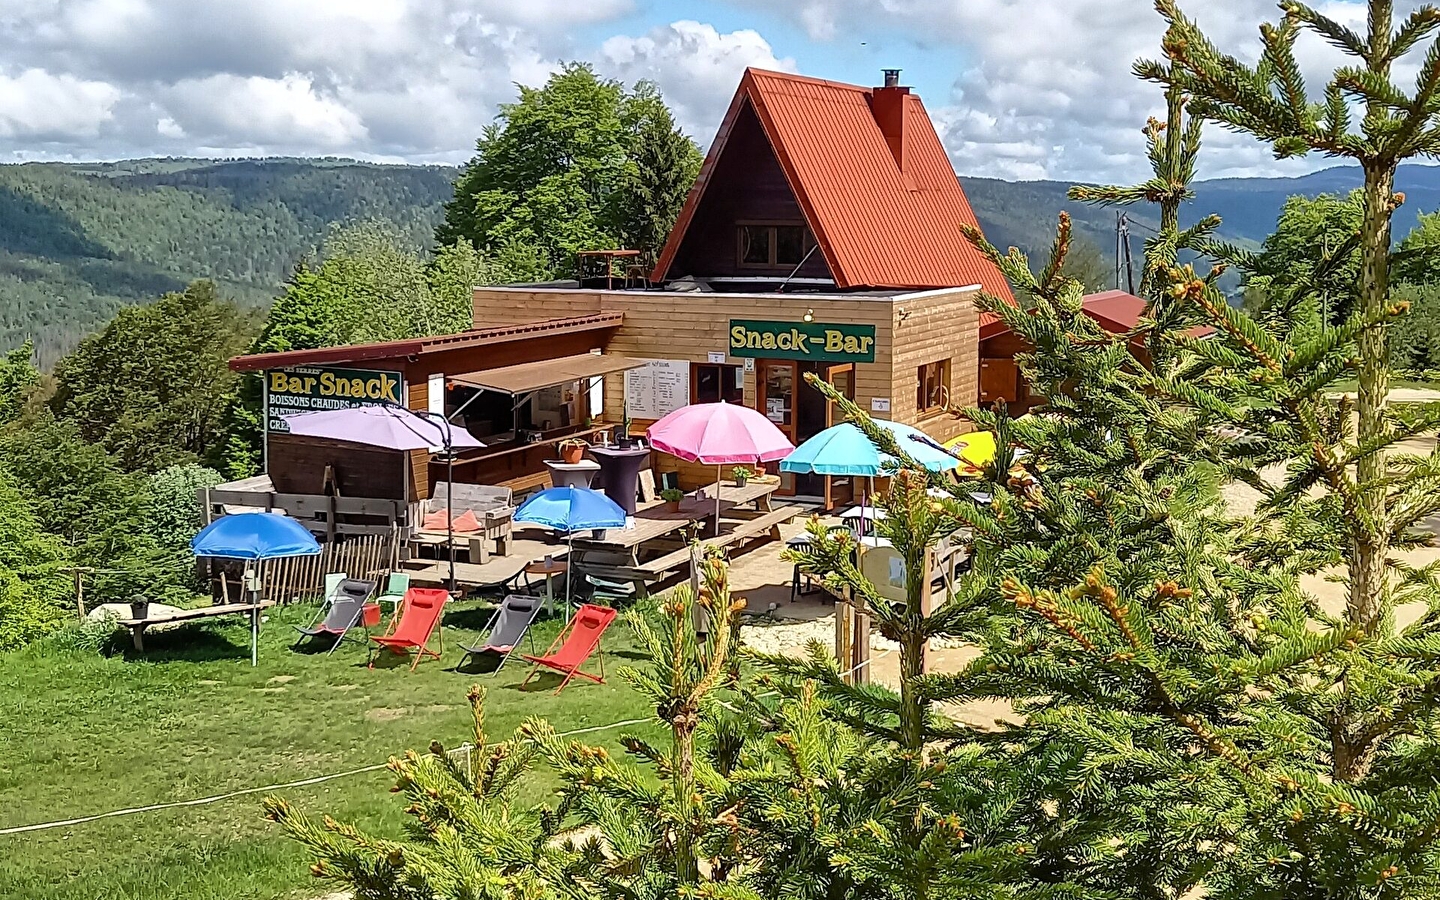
(657, 388)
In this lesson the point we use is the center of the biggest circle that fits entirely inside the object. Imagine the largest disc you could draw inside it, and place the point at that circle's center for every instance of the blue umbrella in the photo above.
(845, 450)
(254, 536)
(257, 535)
(570, 509)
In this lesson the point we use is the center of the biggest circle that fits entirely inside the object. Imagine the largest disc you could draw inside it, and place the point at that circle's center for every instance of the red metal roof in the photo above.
(419, 346)
(877, 225)
(1115, 311)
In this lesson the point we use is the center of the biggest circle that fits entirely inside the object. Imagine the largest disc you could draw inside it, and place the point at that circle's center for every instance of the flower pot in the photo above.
(139, 609)
(741, 482)
(672, 506)
(573, 454)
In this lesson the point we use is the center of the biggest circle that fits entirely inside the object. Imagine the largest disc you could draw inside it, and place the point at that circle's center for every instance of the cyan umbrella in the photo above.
(571, 509)
(845, 450)
(256, 536)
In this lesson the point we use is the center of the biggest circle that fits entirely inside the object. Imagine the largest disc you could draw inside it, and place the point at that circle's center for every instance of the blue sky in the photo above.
(1018, 89)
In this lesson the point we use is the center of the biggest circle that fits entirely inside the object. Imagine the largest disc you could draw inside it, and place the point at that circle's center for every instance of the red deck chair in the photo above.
(410, 629)
(579, 639)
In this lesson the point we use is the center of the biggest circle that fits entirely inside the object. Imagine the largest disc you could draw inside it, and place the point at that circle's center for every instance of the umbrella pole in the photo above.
(255, 615)
(450, 496)
(570, 540)
(717, 500)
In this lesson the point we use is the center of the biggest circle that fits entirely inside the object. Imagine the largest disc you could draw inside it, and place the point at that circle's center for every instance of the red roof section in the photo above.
(878, 227)
(418, 346)
(1115, 311)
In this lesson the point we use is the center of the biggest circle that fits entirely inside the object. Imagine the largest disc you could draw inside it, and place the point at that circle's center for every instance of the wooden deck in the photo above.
(647, 552)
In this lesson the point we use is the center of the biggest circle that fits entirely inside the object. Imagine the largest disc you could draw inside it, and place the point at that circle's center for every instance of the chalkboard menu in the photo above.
(657, 388)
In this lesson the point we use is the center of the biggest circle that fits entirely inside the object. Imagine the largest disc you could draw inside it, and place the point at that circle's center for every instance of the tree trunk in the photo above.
(687, 869)
(1369, 538)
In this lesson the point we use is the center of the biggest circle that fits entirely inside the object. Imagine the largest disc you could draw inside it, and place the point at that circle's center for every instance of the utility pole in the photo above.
(1122, 252)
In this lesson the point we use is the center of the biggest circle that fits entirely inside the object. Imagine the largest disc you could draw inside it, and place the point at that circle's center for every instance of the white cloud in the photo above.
(268, 112)
(695, 65)
(36, 105)
(1044, 88)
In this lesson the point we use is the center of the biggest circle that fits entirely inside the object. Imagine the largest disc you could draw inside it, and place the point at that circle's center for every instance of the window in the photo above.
(764, 245)
(933, 391)
(713, 383)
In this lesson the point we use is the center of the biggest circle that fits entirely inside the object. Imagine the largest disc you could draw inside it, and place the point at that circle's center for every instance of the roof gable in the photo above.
(876, 225)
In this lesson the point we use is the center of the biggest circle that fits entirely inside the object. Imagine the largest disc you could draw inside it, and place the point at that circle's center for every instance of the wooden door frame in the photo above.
(761, 367)
(827, 372)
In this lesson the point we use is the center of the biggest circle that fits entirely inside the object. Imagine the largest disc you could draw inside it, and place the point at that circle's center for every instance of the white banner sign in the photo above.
(657, 388)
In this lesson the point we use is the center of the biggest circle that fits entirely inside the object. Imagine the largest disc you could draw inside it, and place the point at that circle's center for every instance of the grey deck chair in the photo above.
(341, 611)
(507, 626)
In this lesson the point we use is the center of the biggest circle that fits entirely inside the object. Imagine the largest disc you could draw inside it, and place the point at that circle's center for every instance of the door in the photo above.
(776, 381)
(839, 488)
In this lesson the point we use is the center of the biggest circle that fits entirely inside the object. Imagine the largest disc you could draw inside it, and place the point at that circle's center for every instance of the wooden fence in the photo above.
(293, 578)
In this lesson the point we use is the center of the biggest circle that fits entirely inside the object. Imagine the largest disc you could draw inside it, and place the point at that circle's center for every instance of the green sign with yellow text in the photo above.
(819, 341)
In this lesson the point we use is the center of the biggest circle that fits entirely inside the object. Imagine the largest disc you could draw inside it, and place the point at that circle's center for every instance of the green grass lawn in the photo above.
(81, 733)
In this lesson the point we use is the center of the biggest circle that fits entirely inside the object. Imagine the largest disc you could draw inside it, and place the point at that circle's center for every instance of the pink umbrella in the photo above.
(719, 434)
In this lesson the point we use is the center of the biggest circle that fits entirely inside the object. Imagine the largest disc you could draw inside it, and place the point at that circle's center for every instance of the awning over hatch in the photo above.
(534, 376)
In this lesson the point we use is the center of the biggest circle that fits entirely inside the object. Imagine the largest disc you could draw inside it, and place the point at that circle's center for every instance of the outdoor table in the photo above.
(580, 474)
(620, 473)
(549, 568)
(137, 626)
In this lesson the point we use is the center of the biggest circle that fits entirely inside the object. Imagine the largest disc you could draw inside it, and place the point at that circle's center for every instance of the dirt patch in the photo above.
(344, 687)
(270, 690)
(209, 682)
(436, 708)
(281, 679)
(386, 713)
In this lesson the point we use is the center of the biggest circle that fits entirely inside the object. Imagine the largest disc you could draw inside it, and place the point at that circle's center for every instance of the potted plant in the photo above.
(741, 474)
(139, 606)
(572, 450)
(672, 498)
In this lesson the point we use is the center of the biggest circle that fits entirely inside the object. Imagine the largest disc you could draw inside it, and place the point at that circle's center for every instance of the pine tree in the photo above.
(1265, 747)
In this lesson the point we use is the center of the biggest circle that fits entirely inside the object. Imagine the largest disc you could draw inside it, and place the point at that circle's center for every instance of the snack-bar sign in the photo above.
(311, 388)
(802, 340)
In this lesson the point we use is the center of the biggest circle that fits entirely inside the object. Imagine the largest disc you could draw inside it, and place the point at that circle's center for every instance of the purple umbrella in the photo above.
(393, 428)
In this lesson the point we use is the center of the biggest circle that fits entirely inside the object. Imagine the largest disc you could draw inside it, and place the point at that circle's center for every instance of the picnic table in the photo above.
(137, 626)
(622, 547)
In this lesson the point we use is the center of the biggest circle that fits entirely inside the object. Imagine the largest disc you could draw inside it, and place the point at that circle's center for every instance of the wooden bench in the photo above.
(137, 626)
(766, 525)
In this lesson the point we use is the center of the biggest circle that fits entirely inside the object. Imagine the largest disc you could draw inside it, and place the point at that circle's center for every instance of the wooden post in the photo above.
(844, 637)
(80, 591)
(860, 646)
(925, 598)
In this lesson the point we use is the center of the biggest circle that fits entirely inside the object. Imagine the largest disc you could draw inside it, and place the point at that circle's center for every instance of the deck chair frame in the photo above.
(437, 632)
(490, 630)
(540, 661)
(309, 633)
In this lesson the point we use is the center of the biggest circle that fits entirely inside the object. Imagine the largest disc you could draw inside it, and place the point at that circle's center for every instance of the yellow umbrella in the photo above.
(976, 448)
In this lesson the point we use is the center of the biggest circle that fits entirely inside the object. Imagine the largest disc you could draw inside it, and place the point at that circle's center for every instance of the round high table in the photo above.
(620, 473)
(580, 474)
(550, 568)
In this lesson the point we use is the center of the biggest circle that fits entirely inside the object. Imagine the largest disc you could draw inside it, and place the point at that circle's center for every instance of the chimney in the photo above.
(887, 104)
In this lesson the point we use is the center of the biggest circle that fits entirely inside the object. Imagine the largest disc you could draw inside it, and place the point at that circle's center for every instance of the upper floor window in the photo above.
(770, 245)
(933, 387)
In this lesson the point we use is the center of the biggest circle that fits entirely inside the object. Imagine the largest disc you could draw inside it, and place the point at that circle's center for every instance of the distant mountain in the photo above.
(1023, 213)
(80, 240)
